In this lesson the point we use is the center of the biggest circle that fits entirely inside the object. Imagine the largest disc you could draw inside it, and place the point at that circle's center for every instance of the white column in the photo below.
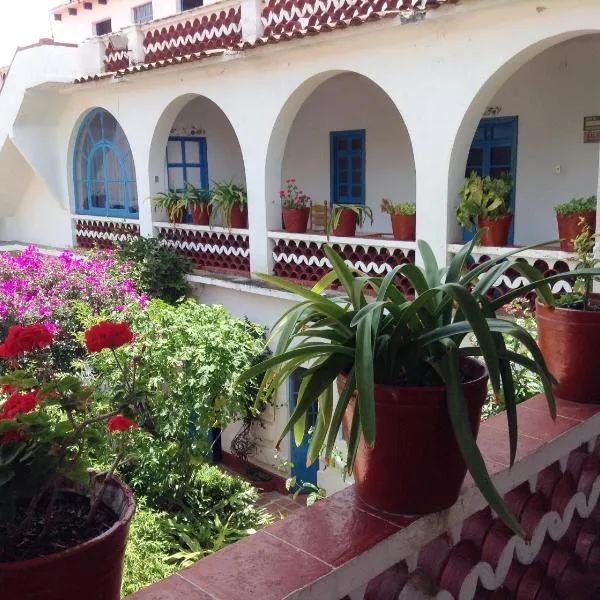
(252, 27)
(135, 44)
(91, 56)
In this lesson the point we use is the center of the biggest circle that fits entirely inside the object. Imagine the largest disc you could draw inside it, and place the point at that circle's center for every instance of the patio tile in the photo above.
(259, 566)
(333, 531)
(568, 410)
(494, 444)
(171, 588)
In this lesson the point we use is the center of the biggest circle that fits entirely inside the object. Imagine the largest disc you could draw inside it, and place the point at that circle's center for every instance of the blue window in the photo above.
(103, 169)
(142, 14)
(494, 152)
(186, 162)
(347, 149)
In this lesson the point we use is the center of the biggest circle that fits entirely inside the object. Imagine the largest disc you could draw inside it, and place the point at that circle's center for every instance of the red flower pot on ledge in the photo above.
(200, 213)
(295, 220)
(497, 230)
(569, 227)
(238, 218)
(404, 227)
(346, 226)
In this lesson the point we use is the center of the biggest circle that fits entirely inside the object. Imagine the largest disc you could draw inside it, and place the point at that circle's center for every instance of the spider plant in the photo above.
(362, 211)
(224, 197)
(196, 195)
(173, 202)
(396, 340)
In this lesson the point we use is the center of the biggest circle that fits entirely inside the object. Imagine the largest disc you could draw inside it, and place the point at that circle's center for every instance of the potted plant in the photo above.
(295, 207)
(403, 217)
(63, 530)
(230, 200)
(198, 204)
(345, 218)
(484, 203)
(569, 218)
(174, 203)
(410, 392)
(569, 328)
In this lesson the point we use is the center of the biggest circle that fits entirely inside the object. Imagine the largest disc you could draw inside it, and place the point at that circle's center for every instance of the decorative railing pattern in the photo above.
(285, 17)
(300, 257)
(115, 59)
(103, 232)
(196, 34)
(217, 249)
(548, 262)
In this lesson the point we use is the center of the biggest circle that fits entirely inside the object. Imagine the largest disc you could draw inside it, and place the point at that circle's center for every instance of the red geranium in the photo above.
(21, 339)
(14, 435)
(107, 335)
(5, 388)
(18, 404)
(120, 423)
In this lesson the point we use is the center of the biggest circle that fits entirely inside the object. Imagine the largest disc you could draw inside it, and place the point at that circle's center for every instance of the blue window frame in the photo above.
(186, 162)
(103, 168)
(493, 152)
(347, 151)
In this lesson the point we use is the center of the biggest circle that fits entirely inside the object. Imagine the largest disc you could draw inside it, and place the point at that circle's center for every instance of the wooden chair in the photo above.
(319, 214)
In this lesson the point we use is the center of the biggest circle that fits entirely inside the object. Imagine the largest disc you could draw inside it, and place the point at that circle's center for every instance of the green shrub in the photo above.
(148, 549)
(576, 205)
(157, 269)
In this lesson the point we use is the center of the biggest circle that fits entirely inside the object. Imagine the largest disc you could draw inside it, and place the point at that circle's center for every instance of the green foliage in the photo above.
(483, 197)
(196, 195)
(155, 268)
(576, 205)
(397, 341)
(194, 354)
(173, 202)
(224, 196)
(362, 211)
(403, 208)
(149, 547)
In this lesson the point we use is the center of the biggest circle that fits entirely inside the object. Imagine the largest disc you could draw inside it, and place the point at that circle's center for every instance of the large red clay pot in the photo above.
(200, 213)
(569, 227)
(497, 230)
(92, 570)
(415, 466)
(295, 220)
(347, 224)
(570, 342)
(404, 227)
(239, 218)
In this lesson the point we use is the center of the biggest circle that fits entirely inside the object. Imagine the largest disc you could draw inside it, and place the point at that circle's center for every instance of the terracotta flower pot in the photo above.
(570, 342)
(295, 220)
(498, 228)
(91, 570)
(179, 217)
(569, 227)
(200, 213)
(238, 218)
(347, 224)
(404, 227)
(415, 466)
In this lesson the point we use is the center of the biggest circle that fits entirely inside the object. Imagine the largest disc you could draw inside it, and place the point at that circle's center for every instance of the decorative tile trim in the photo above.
(103, 232)
(115, 59)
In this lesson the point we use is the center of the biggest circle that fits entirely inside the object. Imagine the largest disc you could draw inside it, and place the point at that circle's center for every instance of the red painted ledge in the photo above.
(316, 541)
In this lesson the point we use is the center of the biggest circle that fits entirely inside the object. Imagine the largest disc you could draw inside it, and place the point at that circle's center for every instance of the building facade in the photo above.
(256, 93)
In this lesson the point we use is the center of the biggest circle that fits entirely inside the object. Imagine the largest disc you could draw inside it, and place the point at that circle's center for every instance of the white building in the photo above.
(257, 92)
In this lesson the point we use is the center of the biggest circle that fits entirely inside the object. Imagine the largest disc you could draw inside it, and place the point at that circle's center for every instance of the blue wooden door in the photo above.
(299, 453)
(494, 152)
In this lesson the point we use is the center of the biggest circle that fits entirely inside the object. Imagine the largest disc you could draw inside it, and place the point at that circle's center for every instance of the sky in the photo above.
(23, 22)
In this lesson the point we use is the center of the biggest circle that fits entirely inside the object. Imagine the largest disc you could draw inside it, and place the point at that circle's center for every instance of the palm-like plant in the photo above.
(173, 202)
(224, 197)
(398, 341)
(362, 212)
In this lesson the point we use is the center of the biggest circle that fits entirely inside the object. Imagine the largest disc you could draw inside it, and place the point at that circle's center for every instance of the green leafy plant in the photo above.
(397, 341)
(173, 202)
(224, 197)
(362, 211)
(403, 208)
(196, 195)
(576, 205)
(485, 197)
(155, 268)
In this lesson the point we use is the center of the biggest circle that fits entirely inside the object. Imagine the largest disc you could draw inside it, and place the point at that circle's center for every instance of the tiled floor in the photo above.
(280, 506)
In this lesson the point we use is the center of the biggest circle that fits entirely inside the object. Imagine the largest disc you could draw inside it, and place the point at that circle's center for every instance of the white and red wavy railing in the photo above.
(103, 232)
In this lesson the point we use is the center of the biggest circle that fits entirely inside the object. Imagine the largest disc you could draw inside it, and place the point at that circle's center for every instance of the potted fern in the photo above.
(484, 203)
(410, 389)
(572, 218)
(174, 204)
(346, 217)
(230, 200)
(403, 217)
(198, 204)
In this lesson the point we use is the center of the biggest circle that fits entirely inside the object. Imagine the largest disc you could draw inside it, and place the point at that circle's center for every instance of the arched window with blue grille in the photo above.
(103, 169)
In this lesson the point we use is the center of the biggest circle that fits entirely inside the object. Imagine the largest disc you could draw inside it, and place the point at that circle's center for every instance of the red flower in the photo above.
(25, 339)
(18, 404)
(107, 335)
(7, 389)
(121, 423)
(14, 435)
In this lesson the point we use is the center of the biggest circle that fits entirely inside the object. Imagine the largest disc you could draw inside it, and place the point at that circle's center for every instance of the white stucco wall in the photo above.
(551, 95)
(342, 103)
